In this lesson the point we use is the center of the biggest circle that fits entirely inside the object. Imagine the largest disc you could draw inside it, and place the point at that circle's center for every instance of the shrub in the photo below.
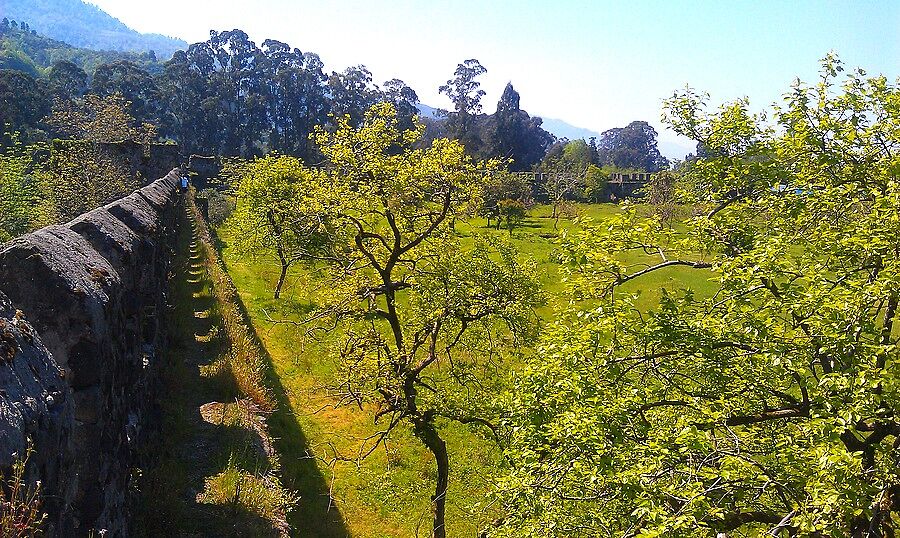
(20, 505)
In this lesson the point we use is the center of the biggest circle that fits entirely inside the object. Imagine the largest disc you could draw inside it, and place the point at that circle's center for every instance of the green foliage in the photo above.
(512, 212)
(595, 180)
(513, 134)
(632, 146)
(502, 186)
(767, 407)
(577, 154)
(219, 206)
(465, 92)
(81, 176)
(388, 493)
(99, 119)
(418, 314)
(22, 193)
(23, 102)
(282, 206)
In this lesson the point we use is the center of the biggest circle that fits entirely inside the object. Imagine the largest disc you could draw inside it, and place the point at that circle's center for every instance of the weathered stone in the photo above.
(94, 290)
(35, 412)
(136, 213)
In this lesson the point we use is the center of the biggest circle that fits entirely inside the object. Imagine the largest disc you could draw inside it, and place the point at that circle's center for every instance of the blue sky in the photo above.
(593, 64)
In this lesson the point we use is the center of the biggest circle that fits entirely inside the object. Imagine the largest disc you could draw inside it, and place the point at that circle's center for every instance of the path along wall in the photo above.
(82, 309)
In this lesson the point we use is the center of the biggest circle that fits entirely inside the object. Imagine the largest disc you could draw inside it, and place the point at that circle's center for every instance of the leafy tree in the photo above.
(633, 146)
(576, 154)
(768, 407)
(404, 99)
(564, 170)
(560, 185)
(514, 135)
(594, 151)
(98, 119)
(511, 212)
(279, 209)
(595, 180)
(23, 101)
(420, 314)
(81, 176)
(183, 90)
(67, 81)
(352, 93)
(21, 192)
(134, 84)
(465, 92)
(662, 195)
(499, 187)
(235, 65)
(298, 100)
(567, 154)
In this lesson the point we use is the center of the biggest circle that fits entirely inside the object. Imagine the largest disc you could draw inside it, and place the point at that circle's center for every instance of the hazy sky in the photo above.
(594, 64)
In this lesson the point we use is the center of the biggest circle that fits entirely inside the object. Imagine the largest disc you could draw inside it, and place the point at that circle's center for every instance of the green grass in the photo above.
(388, 494)
(210, 474)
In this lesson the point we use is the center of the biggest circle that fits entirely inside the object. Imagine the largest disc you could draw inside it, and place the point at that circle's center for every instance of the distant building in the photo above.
(622, 186)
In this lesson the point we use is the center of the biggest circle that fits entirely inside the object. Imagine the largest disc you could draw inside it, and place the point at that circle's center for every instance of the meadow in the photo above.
(387, 494)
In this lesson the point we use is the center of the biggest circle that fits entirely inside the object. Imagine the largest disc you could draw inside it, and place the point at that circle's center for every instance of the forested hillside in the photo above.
(85, 25)
(24, 49)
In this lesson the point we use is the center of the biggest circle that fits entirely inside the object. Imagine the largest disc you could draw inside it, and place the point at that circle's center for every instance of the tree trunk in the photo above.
(284, 268)
(428, 434)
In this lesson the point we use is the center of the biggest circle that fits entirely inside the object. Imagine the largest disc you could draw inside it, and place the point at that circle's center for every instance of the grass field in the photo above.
(388, 494)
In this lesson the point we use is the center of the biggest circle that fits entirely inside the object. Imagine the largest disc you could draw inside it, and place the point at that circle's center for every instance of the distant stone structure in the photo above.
(82, 341)
(625, 186)
(620, 186)
(202, 169)
(147, 161)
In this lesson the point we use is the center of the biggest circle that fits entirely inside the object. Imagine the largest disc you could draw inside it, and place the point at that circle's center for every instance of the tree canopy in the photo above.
(767, 406)
(631, 147)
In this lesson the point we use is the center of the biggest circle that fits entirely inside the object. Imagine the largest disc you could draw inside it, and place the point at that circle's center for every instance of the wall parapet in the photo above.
(82, 338)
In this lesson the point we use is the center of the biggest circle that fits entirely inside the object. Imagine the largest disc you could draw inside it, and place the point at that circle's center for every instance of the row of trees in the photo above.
(228, 96)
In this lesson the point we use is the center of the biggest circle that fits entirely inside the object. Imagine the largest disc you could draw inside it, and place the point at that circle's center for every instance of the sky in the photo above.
(595, 64)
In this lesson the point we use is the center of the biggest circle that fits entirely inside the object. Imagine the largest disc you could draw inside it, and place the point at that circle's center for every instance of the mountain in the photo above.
(428, 112)
(562, 129)
(87, 26)
(23, 49)
(674, 150)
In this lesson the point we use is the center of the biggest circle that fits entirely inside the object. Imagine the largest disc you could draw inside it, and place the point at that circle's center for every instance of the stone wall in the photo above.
(144, 161)
(82, 307)
(202, 169)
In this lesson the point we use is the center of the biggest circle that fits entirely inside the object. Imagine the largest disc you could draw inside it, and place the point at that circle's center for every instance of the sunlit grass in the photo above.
(388, 494)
